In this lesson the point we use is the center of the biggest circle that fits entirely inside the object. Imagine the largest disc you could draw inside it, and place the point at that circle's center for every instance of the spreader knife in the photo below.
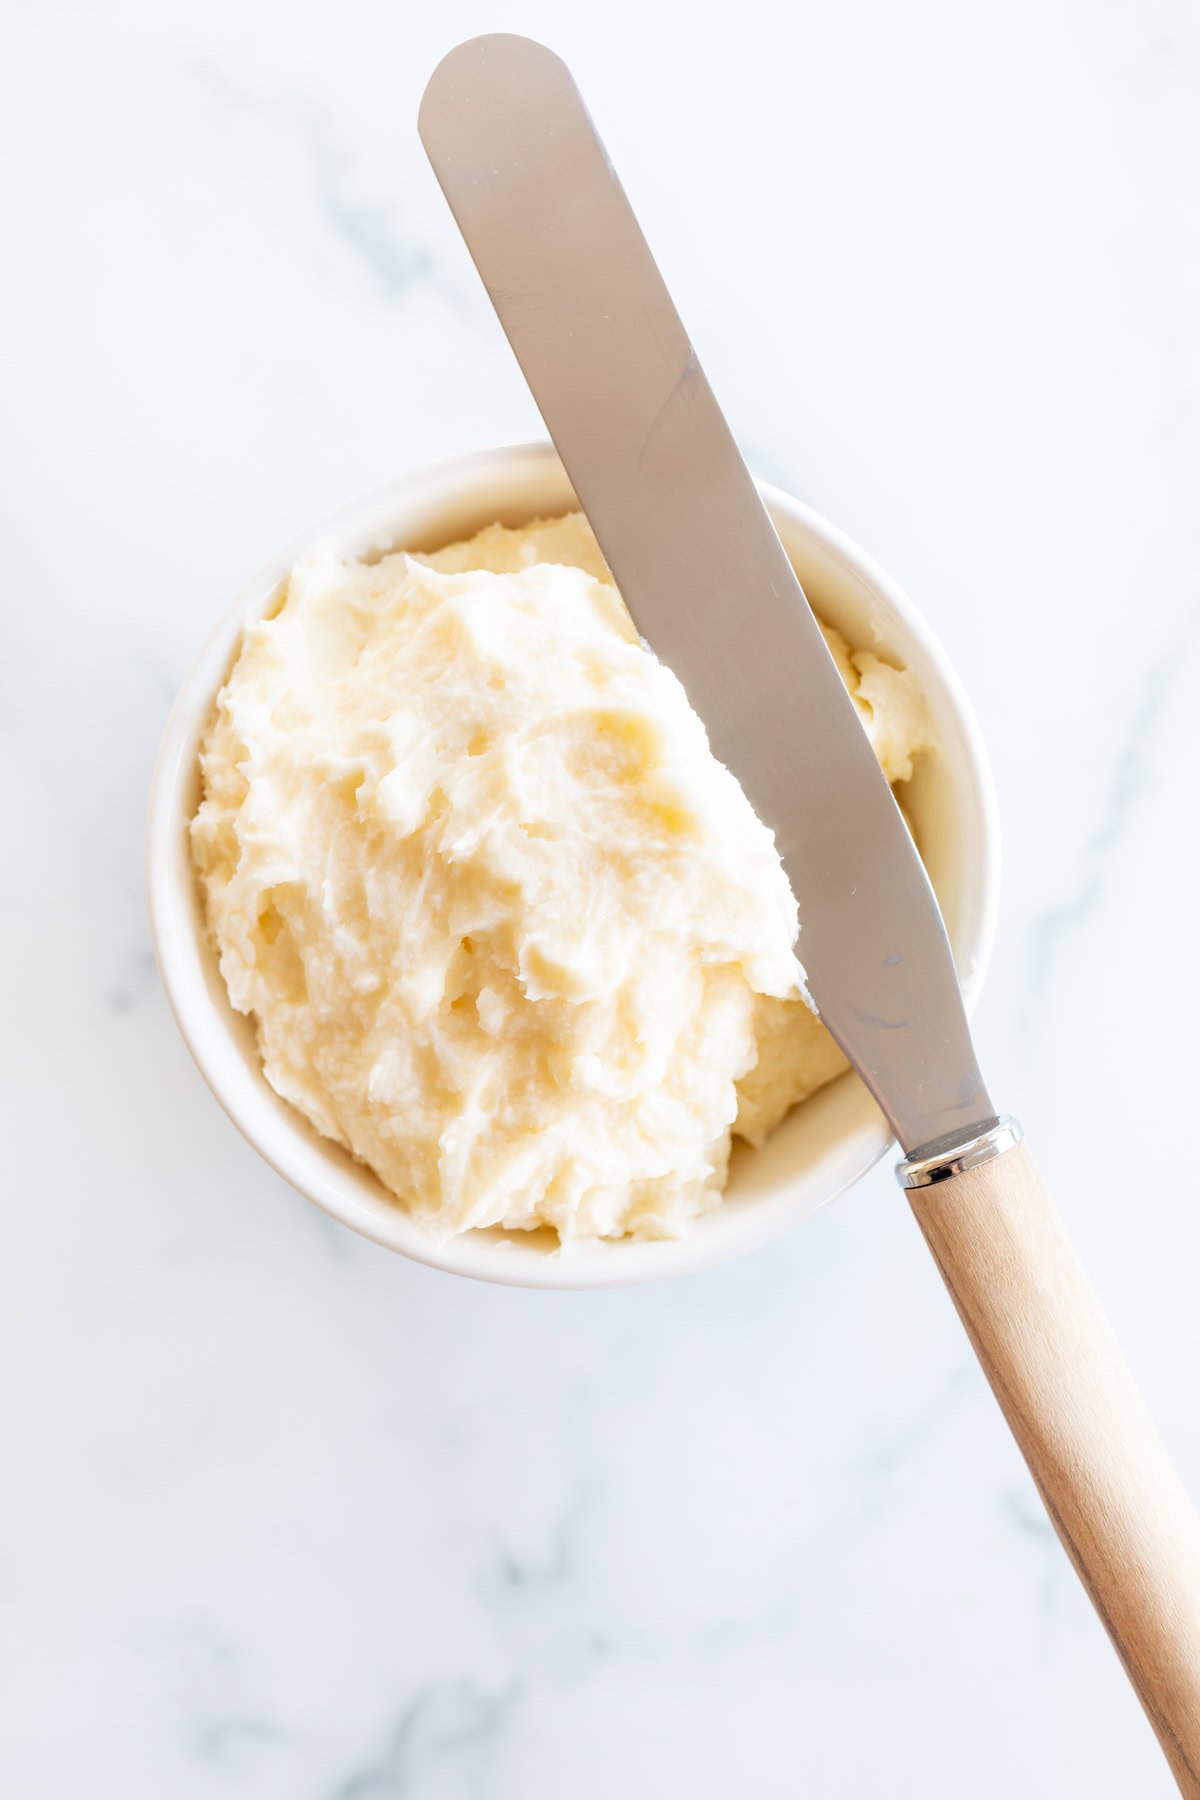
(709, 585)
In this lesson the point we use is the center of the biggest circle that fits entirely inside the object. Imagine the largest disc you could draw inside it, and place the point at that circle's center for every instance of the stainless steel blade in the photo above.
(698, 561)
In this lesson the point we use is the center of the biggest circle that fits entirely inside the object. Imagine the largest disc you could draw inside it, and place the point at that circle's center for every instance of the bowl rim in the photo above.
(172, 920)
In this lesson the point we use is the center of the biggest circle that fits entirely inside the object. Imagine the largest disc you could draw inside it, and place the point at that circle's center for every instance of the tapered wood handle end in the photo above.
(1109, 1486)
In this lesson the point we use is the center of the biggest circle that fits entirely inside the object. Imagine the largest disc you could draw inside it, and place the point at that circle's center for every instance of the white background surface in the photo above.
(283, 1517)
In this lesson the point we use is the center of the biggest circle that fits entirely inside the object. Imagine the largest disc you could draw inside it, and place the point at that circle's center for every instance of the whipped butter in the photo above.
(507, 929)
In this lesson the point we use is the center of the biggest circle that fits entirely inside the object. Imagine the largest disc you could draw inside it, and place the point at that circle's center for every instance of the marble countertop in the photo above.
(284, 1517)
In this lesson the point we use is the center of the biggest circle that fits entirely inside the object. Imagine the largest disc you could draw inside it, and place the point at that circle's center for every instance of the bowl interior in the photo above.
(825, 1145)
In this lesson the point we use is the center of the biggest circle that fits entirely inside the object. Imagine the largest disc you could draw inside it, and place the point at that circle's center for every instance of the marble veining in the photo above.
(372, 231)
(283, 1517)
(453, 1725)
(1134, 771)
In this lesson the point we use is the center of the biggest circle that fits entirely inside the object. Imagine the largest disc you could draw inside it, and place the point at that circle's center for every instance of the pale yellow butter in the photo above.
(507, 929)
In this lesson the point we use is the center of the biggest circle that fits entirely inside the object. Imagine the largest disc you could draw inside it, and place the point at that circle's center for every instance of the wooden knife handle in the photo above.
(1109, 1486)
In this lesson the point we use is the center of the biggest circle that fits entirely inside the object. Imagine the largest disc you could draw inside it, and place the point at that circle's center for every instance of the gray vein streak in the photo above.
(731, 1633)
(225, 1739)
(372, 231)
(1028, 1521)
(1132, 778)
(1034, 1525)
(512, 1576)
(135, 985)
(882, 1463)
(447, 1719)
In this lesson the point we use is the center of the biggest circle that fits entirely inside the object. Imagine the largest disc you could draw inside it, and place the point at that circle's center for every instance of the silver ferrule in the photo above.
(951, 1156)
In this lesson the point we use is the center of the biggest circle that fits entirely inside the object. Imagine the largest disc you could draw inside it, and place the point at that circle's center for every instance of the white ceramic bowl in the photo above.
(826, 1144)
